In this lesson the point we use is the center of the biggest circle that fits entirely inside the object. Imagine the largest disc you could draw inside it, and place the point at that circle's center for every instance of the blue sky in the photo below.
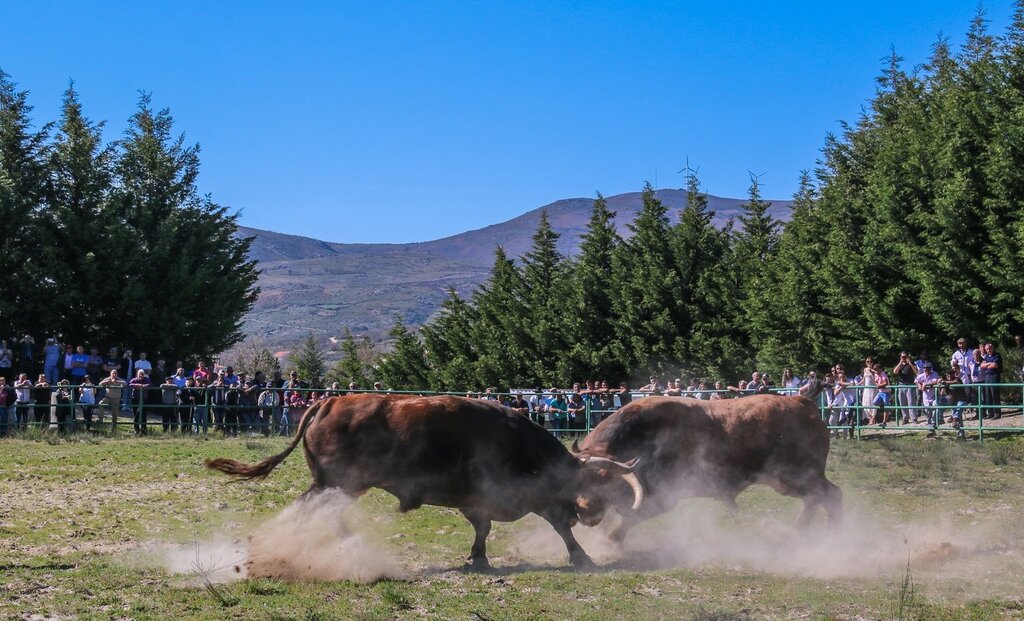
(397, 122)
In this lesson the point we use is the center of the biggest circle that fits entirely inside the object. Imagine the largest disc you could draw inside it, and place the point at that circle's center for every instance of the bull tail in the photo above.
(250, 472)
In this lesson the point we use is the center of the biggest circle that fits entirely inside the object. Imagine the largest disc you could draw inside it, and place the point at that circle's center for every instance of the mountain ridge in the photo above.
(321, 287)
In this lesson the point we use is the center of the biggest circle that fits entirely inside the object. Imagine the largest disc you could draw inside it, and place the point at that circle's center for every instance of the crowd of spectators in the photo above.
(194, 399)
(76, 389)
(920, 392)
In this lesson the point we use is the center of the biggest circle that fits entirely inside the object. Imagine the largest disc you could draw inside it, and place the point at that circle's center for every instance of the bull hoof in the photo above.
(582, 562)
(478, 563)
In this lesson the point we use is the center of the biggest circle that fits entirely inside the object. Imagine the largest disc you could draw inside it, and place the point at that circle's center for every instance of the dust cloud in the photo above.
(981, 558)
(308, 540)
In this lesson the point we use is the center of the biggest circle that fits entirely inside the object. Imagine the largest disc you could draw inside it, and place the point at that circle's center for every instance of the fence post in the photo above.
(586, 413)
(859, 412)
(70, 427)
(114, 410)
(981, 414)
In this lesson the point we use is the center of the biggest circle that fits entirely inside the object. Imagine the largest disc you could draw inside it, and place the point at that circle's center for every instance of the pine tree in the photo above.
(594, 351)
(404, 367)
(706, 295)
(753, 250)
(78, 223)
(646, 288)
(309, 361)
(1007, 174)
(890, 294)
(499, 330)
(191, 278)
(25, 306)
(351, 368)
(794, 332)
(543, 279)
(451, 352)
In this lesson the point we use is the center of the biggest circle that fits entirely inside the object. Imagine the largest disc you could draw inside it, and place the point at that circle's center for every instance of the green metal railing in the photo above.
(973, 408)
(66, 413)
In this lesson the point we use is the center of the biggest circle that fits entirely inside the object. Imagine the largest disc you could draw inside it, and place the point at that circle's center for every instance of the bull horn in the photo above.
(624, 470)
(575, 447)
(638, 488)
(616, 467)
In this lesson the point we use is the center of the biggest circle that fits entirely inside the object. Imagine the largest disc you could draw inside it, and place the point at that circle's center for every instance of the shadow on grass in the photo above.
(638, 561)
(42, 566)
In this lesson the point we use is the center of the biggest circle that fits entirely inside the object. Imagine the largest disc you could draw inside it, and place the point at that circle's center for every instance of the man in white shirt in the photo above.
(964, 358)
(536, 405)
(23, 401)
(144, 365)
(926, 382)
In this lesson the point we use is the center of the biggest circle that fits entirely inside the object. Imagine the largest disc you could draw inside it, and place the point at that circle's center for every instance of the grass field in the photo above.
(137, 529)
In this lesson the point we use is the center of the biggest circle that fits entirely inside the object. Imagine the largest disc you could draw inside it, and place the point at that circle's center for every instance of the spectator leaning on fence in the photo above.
(926, 381)
(42, 393)
(906, 373)
(23, 401)
(139, 386)
(991, 370)
(111, 401)
(64, 413)
(193, 404)
(6, 401)
(882, 395)
(558, 412)
(169, 404)
(954, 394)
(87, 400)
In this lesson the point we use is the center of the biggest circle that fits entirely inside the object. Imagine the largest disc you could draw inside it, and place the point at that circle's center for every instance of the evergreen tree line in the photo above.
(111, 243)
(909, 234)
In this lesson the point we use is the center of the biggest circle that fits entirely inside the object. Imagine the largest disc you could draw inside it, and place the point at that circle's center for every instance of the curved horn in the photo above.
(638, 488)
(616, 467)
(575, 447)
(624, 470)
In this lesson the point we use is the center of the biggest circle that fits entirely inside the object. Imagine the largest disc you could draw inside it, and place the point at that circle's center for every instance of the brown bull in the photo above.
(476, 456)
(688, 447)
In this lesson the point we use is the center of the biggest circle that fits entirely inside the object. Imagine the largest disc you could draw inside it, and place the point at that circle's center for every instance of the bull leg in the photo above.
(811, 503)
(816, 492)
(833, 501)
(563, 526)
(729, 500)
(653, 506)
(618, 535)
(482, 527)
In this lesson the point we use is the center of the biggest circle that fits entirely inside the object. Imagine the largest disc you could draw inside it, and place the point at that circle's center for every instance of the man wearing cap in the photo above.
(926, 381)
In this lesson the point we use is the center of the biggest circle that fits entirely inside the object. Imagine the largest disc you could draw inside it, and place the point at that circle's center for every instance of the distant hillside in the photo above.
(312, 285)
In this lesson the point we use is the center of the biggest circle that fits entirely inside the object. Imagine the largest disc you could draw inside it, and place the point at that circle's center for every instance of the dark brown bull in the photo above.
(476, 456)
(688, 447)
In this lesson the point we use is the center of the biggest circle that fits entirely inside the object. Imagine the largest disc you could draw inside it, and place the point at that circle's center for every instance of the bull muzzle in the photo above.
(622, 469)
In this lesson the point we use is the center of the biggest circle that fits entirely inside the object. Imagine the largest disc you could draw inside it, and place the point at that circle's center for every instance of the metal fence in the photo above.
(149, 411)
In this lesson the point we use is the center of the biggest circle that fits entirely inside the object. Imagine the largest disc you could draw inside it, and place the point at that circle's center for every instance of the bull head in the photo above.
(621, 469)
